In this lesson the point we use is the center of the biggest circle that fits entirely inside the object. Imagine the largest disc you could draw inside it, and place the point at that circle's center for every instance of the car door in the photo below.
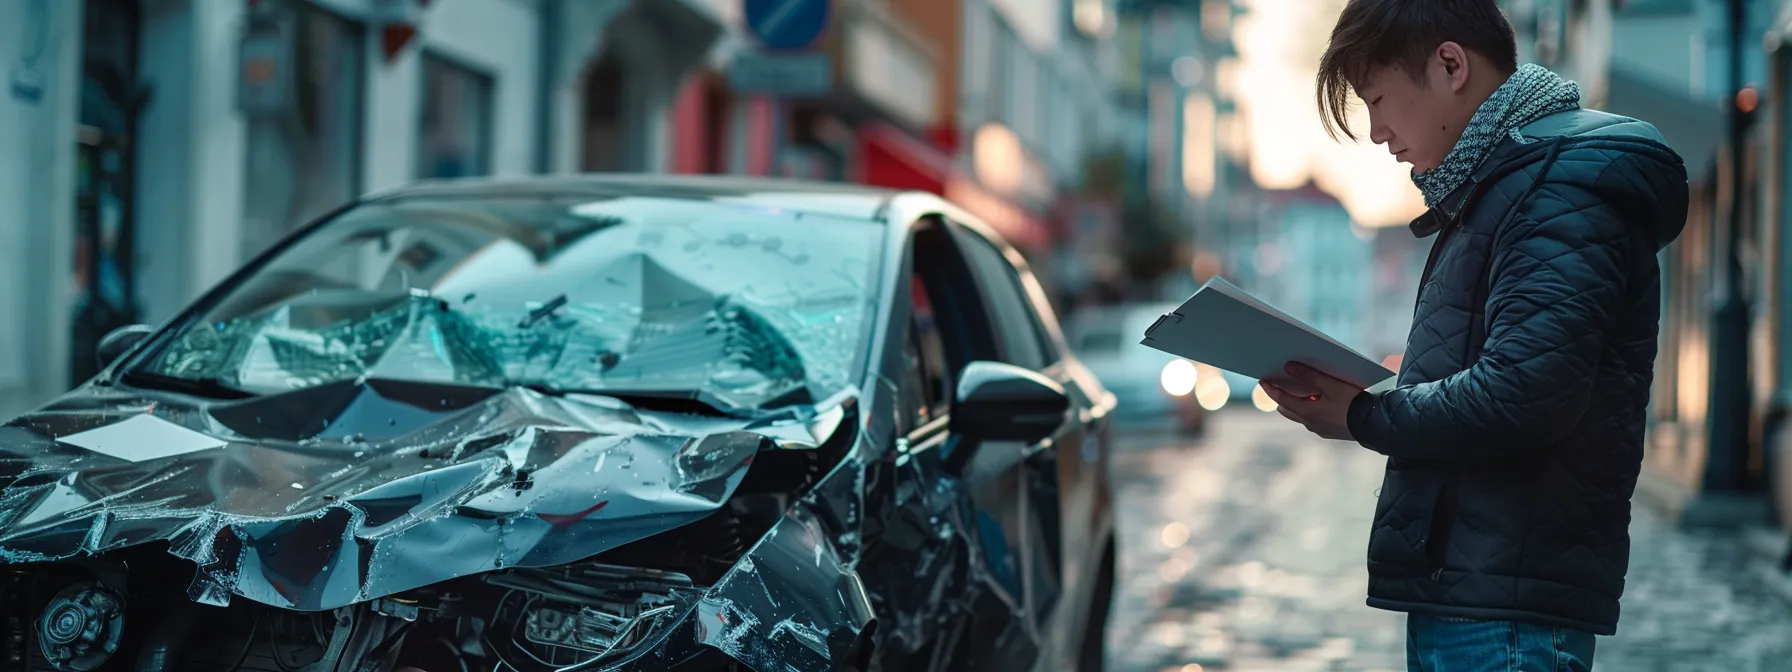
(1060, 500)
(943, 550)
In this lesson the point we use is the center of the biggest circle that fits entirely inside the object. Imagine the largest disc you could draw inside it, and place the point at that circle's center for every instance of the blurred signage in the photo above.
(782, 74)
(264, 71)
(786, 24)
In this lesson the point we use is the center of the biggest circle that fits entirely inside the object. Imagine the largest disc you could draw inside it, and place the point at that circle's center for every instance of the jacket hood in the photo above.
(1625, 162)
(1620, 161)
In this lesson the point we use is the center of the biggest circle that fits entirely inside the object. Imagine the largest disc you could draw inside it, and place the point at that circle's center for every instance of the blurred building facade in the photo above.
(157, 145)
(1226, 210)
(1185, 139)
(175, 139)
(1719, 450)
(1321, 266)
(1773, 320)
(41, 116)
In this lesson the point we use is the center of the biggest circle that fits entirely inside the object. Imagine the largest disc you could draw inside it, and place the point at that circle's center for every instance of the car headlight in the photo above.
(1213, 392)
(1261, 399)
(1178, 377)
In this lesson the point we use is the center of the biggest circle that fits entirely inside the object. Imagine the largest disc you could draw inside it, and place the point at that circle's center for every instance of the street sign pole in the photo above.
(786, 63)
(787, 25)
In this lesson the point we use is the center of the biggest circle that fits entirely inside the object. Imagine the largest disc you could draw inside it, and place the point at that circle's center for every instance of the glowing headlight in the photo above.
(1213, 392)
(1178, 377)
(1261, 399)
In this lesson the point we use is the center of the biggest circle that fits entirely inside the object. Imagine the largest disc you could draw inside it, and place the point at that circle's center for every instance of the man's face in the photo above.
(1412, 118)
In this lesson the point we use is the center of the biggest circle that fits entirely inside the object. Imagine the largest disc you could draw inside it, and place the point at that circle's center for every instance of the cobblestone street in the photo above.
(1244, 551)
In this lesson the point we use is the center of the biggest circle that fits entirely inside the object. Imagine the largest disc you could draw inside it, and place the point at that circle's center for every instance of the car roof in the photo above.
(823, 198)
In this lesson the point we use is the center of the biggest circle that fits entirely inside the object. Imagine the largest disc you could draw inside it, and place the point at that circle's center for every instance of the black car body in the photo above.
(581, 423)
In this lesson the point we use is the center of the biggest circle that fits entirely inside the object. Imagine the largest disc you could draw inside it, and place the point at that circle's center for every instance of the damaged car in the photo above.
(578, 423)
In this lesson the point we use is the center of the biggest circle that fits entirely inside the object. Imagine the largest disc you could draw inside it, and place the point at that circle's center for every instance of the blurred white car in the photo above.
(1153, 387)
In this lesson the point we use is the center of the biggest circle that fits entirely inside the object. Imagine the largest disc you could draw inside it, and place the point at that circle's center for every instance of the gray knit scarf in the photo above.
(1532, 93)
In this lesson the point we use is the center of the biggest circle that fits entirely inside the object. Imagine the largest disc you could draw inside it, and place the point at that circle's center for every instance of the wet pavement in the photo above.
(1244, 551)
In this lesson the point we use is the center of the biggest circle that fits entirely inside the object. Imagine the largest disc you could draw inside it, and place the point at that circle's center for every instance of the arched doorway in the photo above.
(629, 86)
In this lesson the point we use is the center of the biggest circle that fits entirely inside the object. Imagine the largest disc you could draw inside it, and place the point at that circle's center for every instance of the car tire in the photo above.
(1093, 654)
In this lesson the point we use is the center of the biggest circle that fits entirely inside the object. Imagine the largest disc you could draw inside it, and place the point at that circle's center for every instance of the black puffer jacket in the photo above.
(1515, 433)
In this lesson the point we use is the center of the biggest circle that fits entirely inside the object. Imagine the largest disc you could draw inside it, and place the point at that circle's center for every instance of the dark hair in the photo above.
(1403, 33)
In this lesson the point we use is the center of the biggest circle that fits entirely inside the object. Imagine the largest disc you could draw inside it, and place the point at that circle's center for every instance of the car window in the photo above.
(1022, 338)
(750, 309)
(1041, 310)
(927, 387)
(916, 407)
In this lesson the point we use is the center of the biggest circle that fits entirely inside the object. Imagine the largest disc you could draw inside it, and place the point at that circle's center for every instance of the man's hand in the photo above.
(1317, 401)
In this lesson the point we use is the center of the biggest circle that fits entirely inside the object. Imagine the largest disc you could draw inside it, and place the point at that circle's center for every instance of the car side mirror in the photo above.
(120, 341)
(1003, 402)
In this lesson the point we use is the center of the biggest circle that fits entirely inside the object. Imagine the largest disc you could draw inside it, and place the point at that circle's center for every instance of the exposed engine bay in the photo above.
(130, 610)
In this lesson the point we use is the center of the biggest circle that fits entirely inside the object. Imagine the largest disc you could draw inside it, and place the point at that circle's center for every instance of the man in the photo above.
(1514, 430)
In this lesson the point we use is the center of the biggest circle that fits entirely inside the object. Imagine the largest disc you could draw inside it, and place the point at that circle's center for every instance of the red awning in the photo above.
(890, 157)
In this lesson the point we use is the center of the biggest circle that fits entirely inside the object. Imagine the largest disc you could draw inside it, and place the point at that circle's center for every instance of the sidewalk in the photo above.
(1244, 552)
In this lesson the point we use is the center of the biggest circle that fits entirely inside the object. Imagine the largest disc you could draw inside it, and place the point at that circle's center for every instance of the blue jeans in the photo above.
(1449, 644)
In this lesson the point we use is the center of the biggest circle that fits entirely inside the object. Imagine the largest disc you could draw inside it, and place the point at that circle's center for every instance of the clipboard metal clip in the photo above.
(1171, 317)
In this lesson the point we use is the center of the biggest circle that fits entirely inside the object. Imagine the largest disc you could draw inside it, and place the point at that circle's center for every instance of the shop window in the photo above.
(455, 138)
(305, 160)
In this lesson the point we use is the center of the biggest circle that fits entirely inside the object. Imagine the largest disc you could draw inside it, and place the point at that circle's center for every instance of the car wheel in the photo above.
(1093, 655)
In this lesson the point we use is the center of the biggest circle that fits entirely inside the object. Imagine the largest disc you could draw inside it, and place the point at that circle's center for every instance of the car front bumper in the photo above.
(791, 603)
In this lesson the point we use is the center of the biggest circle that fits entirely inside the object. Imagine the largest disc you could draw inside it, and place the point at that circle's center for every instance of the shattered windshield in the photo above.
(744, 308)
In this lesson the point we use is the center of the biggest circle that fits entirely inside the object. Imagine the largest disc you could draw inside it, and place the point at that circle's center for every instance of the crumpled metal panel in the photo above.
(888, 537)
(792, 603)
(394, 491)
(312, 513)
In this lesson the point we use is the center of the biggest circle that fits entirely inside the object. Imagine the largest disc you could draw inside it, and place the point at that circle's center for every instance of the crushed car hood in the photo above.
(328, 496)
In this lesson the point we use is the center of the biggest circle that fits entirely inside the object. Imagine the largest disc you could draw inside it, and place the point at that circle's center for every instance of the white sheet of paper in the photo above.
(142, 438)
(1223, 326)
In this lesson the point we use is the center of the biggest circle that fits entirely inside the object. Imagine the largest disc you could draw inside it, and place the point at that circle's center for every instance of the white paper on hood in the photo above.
(142, 438)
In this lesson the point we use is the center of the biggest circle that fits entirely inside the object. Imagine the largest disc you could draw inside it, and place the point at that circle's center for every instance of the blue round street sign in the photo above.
(786, 24)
